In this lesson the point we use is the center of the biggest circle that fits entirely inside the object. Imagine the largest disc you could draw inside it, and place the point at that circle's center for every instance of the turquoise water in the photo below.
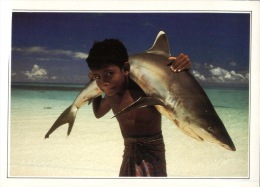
(34, 107)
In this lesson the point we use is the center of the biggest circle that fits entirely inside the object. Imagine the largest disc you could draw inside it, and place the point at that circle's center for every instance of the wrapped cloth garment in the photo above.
(144, 156)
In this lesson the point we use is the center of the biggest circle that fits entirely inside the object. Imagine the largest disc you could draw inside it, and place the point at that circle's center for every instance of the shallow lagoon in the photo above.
(95, 146)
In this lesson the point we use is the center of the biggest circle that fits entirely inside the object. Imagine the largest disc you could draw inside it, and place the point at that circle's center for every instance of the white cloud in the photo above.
(218, 71)
(198, 75)
(54, 77)
(30, 50)
(80, 55)
(247, 76)
(36, 73)
(233, 64)
(38, 50)
(220, 75)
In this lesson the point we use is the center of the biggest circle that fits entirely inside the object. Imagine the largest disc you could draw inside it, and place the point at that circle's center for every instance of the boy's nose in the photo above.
(105, 82)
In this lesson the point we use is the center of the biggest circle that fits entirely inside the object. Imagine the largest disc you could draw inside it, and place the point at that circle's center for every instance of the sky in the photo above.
(52, 46)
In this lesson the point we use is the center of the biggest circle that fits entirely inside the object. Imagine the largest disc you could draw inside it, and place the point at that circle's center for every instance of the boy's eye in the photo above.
(95, 77)
(109, 73)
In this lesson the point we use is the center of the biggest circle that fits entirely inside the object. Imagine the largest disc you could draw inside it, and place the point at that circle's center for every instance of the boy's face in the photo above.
(111, 79)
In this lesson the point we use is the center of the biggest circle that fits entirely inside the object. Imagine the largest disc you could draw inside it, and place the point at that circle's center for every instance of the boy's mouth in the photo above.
(108, 89)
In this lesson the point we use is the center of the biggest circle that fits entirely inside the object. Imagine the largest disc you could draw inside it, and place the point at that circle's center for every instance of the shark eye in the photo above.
(211, 129)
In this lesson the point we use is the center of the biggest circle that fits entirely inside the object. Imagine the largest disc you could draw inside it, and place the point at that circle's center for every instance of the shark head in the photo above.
(209, 131)
(217, 133)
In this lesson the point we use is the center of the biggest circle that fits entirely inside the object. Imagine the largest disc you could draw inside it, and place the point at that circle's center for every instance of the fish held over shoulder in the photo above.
(185, 103)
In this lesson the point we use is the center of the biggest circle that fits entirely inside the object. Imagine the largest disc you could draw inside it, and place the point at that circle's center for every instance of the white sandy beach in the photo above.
(95, 147)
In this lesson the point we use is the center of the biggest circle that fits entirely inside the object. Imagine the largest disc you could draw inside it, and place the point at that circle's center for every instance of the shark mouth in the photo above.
(201, 135)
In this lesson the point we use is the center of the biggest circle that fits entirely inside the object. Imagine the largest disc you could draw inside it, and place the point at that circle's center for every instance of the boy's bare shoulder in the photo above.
(134, 86)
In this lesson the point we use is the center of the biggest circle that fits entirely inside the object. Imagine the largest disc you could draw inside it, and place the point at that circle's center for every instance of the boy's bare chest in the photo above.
(134, 123)
(122, 101)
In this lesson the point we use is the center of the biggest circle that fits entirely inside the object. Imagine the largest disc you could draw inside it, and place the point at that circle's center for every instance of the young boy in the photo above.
(144, 153)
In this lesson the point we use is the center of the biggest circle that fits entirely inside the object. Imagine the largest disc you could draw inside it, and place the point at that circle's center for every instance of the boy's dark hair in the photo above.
(107, 52)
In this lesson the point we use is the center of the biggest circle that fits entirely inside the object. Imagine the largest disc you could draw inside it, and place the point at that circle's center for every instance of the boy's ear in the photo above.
(90, 75)
(126, 67)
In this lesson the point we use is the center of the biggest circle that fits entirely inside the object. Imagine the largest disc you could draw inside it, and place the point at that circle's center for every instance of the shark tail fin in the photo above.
(139, 103)
(68, 116)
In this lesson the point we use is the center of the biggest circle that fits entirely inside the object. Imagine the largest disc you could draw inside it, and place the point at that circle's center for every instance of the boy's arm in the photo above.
(180, 63)
(100, 106)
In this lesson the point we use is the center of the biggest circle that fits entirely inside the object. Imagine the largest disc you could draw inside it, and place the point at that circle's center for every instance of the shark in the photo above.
(177, 96)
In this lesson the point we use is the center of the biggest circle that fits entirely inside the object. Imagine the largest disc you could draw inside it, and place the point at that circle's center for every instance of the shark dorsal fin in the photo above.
(161, 45)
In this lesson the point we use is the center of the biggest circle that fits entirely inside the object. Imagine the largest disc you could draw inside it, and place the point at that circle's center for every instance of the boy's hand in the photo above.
(180, 63)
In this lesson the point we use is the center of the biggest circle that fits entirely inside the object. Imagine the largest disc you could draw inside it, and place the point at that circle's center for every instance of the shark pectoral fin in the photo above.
(90, 101)
(68, 116)
(190, 132)
(139, 103)
(187, 130)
